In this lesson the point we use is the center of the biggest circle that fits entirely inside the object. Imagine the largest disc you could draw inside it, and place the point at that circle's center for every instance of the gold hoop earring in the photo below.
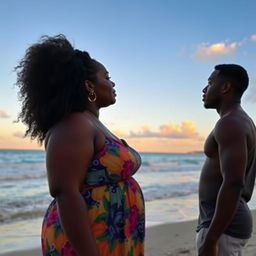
(92, 96)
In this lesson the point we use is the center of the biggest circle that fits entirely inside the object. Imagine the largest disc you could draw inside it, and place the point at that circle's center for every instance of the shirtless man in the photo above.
(228, 175)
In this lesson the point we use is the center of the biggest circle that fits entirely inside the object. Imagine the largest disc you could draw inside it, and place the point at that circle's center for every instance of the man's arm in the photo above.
(232, 147)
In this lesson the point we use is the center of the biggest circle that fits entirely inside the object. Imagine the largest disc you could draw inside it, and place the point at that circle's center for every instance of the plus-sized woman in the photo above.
(98, 207)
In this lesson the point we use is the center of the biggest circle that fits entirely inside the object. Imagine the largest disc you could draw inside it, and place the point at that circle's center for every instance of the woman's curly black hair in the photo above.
(51, 80)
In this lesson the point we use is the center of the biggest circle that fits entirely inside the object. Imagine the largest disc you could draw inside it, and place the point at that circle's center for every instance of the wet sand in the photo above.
(171, 239)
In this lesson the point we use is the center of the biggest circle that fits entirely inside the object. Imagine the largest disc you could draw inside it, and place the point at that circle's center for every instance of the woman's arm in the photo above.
(70, 149)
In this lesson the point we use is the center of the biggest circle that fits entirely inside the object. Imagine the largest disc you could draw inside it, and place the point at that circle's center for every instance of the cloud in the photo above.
(3, 114)
(212, 52)
(253, 37)
(186, 130)
(120, 134)
(19, 134)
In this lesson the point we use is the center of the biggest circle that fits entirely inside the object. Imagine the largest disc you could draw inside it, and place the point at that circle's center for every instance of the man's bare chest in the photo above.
(211, 146)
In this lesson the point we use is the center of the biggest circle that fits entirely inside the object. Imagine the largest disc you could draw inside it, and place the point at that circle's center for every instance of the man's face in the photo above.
(212, 93)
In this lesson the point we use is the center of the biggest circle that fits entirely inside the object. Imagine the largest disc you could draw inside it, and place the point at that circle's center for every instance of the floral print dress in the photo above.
(115, 206)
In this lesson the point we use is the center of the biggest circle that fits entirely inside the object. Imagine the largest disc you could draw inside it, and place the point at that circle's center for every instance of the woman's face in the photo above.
(104, 87)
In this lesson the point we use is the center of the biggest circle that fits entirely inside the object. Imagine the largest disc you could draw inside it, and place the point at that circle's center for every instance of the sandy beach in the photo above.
(167, 240)
(179, 239)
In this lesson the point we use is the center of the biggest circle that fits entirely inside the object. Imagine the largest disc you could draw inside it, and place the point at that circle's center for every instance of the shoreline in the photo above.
(170, 239)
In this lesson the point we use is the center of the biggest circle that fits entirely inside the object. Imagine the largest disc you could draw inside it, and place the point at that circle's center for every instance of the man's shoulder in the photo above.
(228, 121)
(231, 126)
(237, 120)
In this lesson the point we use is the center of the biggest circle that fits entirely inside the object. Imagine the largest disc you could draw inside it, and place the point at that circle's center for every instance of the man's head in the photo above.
(226, 80)
(234, 74)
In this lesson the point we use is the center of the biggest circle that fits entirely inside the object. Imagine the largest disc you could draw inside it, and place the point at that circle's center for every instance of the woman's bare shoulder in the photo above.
(76, 127)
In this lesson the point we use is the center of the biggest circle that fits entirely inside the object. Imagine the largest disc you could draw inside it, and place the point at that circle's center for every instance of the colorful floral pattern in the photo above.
(115, 206)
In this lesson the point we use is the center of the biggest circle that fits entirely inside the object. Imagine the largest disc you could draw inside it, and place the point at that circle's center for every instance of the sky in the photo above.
(159, 54)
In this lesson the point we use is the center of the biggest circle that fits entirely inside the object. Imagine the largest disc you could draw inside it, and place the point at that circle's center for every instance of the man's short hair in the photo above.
(236, 75)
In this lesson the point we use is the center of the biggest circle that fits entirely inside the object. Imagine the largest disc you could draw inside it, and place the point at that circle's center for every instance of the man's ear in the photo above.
(226, 87)
(89, 85)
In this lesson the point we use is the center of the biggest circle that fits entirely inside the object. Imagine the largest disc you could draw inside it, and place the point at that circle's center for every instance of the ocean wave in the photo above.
(145, 163)
(21, 215)
(154, 192)
(192, 161)
(152, 197)
(171, 163)
(22, 156)
(25, 192)
(23, 208)
(22, 177)
(172, 169)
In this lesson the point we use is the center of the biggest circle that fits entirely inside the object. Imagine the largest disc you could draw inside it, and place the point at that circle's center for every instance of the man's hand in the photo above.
(208, 249)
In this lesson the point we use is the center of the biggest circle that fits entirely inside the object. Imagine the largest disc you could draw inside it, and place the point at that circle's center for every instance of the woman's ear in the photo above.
(89, 85)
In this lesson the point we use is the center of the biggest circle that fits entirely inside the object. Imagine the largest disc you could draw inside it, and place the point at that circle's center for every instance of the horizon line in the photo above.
(141, 152)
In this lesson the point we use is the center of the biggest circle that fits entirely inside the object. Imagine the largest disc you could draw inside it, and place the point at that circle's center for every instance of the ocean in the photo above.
(169, 183)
